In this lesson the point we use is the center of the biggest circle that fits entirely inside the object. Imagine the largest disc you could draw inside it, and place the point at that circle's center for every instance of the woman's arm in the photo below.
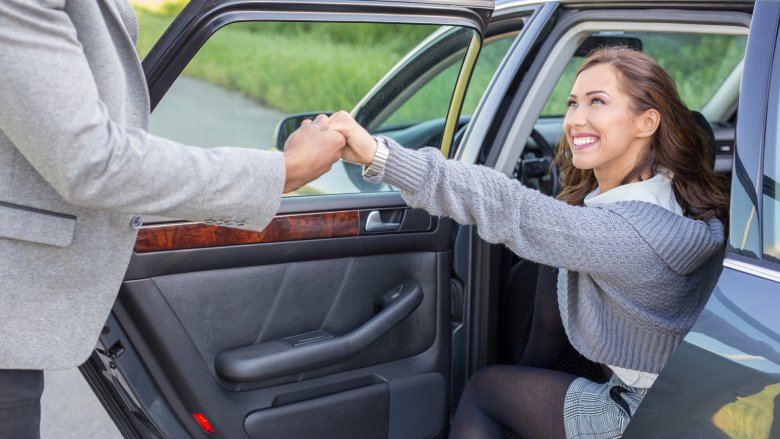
(531, 224)
(603, 241)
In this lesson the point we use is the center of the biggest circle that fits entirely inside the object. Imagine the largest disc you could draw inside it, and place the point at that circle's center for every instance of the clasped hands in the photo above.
(313, 148)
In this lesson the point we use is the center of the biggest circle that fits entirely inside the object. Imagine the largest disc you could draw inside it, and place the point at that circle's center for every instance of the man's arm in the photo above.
(51, 111)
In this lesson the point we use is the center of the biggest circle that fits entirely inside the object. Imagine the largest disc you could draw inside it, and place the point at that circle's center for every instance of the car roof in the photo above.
(698, 4)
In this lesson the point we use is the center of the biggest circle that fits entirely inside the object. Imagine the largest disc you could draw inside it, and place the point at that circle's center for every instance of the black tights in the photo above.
(526, 398)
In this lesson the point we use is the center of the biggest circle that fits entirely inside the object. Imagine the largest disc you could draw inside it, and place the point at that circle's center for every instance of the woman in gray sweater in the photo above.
(637, 233)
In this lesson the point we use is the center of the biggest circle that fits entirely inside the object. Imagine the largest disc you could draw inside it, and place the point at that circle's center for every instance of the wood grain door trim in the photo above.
(184, 236)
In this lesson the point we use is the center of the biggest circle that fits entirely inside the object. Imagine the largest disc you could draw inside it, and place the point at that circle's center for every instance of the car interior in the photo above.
(522, 280)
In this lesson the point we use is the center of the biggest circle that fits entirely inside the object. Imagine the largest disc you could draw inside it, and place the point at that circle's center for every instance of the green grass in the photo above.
(292, 73)
(305, 67)
(296, 67)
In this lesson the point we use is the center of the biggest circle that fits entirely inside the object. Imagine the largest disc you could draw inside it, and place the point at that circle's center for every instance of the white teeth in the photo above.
(578, 141)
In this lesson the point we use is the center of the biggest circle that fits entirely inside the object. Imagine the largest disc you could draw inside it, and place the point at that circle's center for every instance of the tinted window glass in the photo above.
(770, 188)
(698, 63)
(743, 217)
(418, 107)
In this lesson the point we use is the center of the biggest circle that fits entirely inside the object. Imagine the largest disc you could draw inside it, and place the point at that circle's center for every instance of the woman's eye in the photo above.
(596, 101)
(571, 103)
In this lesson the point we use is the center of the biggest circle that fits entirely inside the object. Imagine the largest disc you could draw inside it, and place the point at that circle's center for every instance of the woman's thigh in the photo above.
(527, 400)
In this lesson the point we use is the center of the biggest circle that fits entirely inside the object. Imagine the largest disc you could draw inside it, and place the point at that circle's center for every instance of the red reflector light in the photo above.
(203, 422)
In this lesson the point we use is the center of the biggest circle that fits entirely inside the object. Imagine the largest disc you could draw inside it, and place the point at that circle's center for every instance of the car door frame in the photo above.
(138, 407)
(473, 330)
(497, 142)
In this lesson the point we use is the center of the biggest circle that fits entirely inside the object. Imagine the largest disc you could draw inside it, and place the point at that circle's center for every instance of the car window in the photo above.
(698, 63)
(250, 76)
(771, 190)
(417, 108)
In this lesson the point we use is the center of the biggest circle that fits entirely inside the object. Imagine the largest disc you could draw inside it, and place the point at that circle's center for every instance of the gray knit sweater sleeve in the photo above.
(636, 275)
(533, 225)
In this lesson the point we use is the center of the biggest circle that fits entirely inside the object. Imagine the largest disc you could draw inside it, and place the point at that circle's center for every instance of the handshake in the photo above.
(314, 147)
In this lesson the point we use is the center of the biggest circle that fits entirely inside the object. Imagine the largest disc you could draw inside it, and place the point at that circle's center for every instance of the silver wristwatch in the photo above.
(380, 157)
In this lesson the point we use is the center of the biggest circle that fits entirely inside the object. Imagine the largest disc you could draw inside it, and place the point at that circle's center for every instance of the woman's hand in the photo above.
(310, 152)
(361, 146)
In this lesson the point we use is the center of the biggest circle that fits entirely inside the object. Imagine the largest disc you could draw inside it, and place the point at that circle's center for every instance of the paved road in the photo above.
(69, 409)
(195, 112)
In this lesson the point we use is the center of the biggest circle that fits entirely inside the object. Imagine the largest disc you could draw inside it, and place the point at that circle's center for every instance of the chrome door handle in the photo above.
(374, 223)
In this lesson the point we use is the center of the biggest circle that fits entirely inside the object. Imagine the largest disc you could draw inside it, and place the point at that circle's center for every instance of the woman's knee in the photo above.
(489, 382)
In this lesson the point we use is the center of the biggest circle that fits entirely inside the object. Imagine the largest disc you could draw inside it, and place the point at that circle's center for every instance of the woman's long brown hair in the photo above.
(679, 144)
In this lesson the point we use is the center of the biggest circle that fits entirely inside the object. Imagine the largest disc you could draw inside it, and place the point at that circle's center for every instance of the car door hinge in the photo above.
(114, 352)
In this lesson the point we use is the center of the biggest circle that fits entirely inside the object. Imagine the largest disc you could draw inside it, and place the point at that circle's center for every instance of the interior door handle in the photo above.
(374, 223)
(277, 358)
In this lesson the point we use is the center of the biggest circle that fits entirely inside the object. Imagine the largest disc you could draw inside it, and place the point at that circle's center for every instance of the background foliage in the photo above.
(697, 63)
(291, 67)
(335, 64)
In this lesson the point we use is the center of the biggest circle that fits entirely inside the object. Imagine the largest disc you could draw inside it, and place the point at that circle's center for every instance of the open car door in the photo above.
(332, 322)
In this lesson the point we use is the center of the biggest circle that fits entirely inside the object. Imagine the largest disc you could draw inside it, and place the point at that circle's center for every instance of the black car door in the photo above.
(724, 379)
(332, 322)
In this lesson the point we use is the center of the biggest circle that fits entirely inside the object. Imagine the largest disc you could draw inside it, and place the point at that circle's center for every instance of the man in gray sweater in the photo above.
(77, 167)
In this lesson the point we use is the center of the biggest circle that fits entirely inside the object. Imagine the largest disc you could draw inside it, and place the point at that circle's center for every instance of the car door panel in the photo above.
(266, 306)
(725, 370)
(173, 248)
(365, 410)
(186, 313)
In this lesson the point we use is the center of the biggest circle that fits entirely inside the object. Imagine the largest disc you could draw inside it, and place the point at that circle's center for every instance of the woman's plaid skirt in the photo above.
(595, 411)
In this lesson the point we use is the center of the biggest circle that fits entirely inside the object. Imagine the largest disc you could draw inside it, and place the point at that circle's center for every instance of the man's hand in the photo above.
(361, 146)
(310, 152)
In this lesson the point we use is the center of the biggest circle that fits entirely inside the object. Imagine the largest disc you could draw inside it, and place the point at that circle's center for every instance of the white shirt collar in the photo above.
(656, 190)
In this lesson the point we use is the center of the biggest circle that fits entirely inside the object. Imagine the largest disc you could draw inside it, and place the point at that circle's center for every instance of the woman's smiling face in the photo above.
(601, 127)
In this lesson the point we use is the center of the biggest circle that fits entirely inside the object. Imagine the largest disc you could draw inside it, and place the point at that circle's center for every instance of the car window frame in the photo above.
(750, 144)
(432, 75)
(162, 69)
(468, 57)
(769, 153)
(537, 19)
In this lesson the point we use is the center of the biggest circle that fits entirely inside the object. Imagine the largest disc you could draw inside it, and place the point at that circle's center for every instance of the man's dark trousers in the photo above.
(20, 403)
